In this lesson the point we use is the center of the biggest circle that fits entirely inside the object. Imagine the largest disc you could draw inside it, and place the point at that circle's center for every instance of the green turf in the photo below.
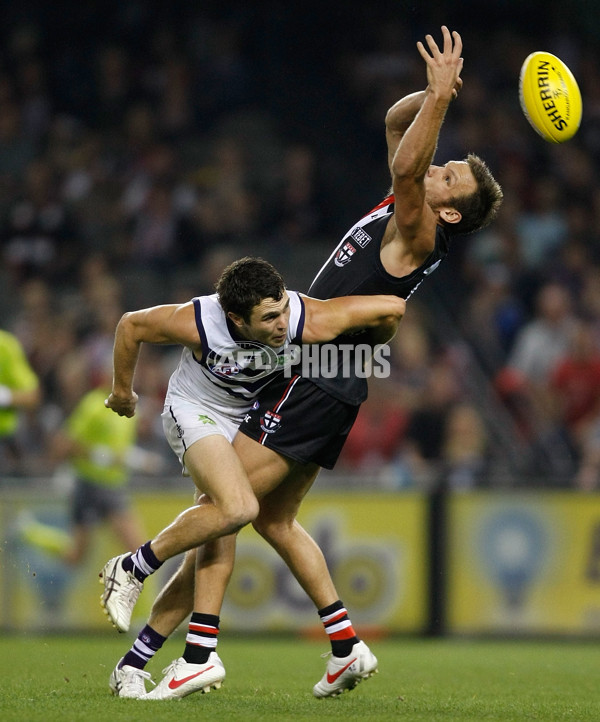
(65, 678)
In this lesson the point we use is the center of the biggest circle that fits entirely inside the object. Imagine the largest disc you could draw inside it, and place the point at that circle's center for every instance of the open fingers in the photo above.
(447, 39)
(433, 46)
(452, 44)
(457, 50)
(434, 51)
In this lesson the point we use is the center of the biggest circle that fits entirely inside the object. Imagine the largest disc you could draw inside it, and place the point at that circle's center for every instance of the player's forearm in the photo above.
(125, 355)
(415, 151)
(326, 320)
(362, 312)
(398, 119)
(386, 311)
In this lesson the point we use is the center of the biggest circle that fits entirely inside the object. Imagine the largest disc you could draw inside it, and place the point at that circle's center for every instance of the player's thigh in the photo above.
(266, 468)
(283, 502)
(216, 469)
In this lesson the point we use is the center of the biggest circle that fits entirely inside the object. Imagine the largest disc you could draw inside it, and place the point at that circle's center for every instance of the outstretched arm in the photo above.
(398, 119)
(417, 144)
(400, 116)
(170, 324)
(325, 320)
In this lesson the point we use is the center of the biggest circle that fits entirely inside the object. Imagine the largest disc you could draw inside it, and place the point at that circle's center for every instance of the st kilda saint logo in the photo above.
(270, 422)
(344, 254)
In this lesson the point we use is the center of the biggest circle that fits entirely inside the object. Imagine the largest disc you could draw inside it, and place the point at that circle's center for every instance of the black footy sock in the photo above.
(338, 626)
(201, 638)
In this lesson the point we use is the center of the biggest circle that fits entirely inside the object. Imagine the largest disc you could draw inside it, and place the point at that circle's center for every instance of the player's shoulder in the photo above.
(208, 305)
(294, 295)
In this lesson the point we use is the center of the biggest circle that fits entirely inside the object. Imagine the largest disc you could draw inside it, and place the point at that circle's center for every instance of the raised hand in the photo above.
(443, 66)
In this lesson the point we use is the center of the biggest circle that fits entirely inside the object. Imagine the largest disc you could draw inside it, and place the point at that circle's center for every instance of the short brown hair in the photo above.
(245, 283)
(479, 208)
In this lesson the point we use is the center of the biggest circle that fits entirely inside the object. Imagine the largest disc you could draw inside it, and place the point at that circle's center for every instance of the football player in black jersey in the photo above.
(391, 250)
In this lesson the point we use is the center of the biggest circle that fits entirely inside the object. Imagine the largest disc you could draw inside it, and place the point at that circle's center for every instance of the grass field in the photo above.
(65, 678)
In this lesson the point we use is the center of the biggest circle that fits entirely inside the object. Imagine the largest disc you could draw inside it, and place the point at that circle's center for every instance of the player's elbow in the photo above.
(396, 307)
(130, 328)
(400, 307)
(387, 325)
(125, 323)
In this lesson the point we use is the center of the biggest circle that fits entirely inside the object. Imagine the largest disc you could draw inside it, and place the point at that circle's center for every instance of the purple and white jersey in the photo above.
(232, 370)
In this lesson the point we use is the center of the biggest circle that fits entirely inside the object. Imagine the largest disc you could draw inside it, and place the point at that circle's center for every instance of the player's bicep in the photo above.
(325, 320)
(167, 324)
(316, 321)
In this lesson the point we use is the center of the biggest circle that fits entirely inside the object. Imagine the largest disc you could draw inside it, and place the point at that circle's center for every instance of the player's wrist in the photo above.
(121, 393)
(6, 397)
(440, 97)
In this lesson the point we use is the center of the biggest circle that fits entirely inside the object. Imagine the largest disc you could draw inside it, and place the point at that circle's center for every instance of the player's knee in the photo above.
(243, 511)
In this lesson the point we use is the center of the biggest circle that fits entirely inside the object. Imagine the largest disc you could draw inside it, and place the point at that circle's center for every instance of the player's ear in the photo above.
(237, 320)
(450, 215)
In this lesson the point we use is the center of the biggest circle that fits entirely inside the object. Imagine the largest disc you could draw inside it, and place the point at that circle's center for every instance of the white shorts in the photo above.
(185, 422)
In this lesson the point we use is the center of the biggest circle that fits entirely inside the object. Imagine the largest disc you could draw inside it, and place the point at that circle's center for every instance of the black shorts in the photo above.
(93, 503)
(301, 421)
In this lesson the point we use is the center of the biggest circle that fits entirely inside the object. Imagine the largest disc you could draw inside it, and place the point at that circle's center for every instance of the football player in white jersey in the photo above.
(234, 343)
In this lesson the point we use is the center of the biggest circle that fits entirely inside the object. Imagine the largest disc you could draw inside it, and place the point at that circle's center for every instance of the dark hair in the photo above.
(479, 208)
(245, 283)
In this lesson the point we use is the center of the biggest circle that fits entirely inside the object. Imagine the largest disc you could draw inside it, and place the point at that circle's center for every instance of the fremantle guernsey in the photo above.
(232, 370)
(355, 268)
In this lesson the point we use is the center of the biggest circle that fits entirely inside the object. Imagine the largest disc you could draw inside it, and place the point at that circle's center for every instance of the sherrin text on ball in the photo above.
(550, 97)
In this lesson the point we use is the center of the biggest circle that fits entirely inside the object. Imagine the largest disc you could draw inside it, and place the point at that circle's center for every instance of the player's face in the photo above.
(269, 322)
(444, 182)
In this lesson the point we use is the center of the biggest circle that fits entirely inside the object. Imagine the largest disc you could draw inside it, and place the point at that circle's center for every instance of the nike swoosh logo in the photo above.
(175, 683)
(332, 677)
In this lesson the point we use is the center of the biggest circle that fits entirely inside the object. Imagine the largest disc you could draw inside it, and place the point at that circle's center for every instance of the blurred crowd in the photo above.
(143, 146)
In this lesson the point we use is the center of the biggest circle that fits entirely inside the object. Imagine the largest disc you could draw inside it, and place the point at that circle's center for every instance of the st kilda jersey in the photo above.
(355, 268)
(232, 370)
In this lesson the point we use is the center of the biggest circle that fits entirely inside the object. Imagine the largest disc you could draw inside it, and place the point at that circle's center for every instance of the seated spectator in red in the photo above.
(575, 383)
(378, 431)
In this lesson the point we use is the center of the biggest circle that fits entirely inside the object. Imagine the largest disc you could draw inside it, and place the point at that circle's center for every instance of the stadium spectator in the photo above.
(39, 238)
(464, 458)
(545, 338)
(574, 388)
(421, 452)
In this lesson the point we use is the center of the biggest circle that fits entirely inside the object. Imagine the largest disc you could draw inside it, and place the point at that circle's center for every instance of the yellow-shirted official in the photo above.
(19, 384)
